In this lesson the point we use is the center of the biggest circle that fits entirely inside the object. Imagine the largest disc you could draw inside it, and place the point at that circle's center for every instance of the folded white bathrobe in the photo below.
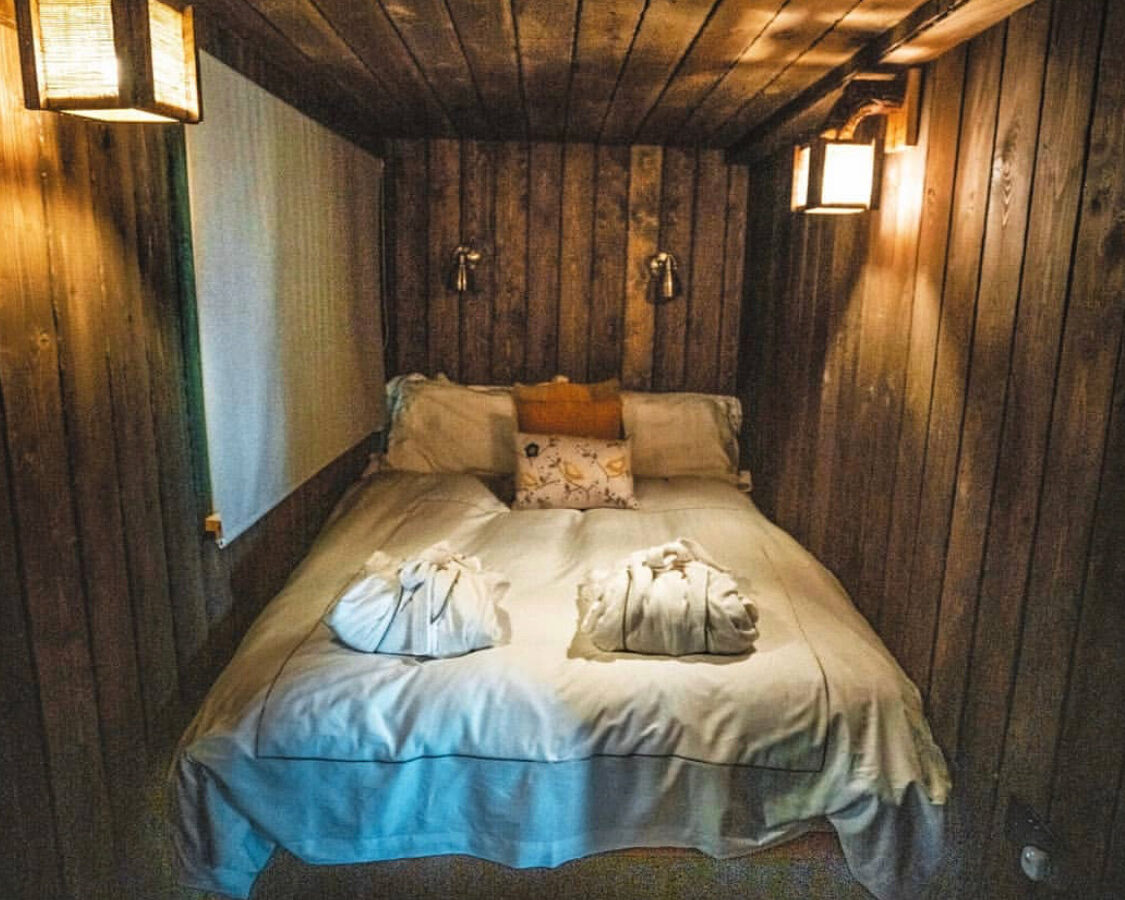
(438, 603)
(670, 599)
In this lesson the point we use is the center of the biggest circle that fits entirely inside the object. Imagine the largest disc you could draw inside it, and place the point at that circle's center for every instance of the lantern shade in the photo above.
(834, 176)
(117, 60)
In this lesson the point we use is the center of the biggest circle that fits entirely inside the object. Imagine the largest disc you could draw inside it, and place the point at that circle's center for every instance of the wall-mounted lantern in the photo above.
(115, 60)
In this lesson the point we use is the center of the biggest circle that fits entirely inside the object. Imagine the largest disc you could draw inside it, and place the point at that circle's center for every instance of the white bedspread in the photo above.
(508, 753)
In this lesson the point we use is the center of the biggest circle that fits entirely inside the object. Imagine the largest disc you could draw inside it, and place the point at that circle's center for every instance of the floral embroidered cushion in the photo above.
(555, 471)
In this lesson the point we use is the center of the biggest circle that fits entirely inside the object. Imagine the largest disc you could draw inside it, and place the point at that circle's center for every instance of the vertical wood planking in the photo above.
(443, 323)
(991, 580)
(997, 614)
(1083, 393)
(509, 329)
(701, 357)
(79, 306)
(608, 288)
(117, 166)
(24, 786)
(576, 260)
(734, 255)
(644, 230)
(944, 99)
(544, 234)
(478, 217)
(409, 205)
(676, 205)
(565, 231)
(970, 200)
(40, 482)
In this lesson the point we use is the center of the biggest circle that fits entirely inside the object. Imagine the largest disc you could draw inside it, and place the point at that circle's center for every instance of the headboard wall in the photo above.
(565, 230)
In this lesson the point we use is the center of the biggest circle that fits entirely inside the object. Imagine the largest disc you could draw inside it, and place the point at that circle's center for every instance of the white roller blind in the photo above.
(285, 225)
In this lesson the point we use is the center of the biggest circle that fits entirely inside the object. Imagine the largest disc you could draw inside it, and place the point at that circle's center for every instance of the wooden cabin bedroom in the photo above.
(577, 448)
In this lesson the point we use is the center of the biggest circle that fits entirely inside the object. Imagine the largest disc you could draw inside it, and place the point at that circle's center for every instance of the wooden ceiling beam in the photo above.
(934, 28)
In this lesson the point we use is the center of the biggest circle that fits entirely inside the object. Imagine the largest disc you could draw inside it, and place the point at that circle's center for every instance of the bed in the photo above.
(544, 749)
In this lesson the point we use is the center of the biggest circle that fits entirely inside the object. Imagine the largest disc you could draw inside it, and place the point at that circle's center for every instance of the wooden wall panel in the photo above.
(115, 608)
(966, 453)
(565, 230)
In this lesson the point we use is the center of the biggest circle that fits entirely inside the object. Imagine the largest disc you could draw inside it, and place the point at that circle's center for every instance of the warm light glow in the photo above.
(173, 58)
(118, 115)
(75, 52)
(74, 61)
(800, 197)
(848, 173)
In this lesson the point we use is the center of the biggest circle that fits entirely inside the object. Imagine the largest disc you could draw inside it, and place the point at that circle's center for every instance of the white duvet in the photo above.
(508, 753)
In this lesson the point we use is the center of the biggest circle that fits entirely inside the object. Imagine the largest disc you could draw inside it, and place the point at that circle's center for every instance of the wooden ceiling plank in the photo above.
(306, 29)
(795, 118)
(247, 42)
(605, 34)
(487, 33)
(427, 30)
(725, 37)
(374, 39)
(666, 33)
(545, 33)
(961, 22)
(857, 29)
(796, 27)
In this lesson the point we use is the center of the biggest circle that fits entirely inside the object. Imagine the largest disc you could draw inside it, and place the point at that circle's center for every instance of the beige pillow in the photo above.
(683, 434)
(555, 471)
(440, 426)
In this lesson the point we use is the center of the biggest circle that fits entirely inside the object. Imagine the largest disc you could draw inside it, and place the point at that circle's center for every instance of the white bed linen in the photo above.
(510, 753)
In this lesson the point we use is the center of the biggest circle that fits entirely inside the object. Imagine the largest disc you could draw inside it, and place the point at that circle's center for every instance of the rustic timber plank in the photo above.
(732, 27)
(39, 480)
(782, 42)
(608, 285)
(509, 325)
(960, 22)
(667, 30)
(970, 200)
(478, 217)
(734, 255)
(944, 102)
(545, 30)
(409, 202)
(428, 32)
(862, 25)
(373, 38)
(644, 229)
(487, 34)
(701, 359)
(79, 301)
(179, 498)
(576, 259)
(544, 234)
(301, 24)
(605, 34)
(443, 313)
(676, 205)
(990, 360)
(1083, 396)
(25, 791)
(116, 169)
(279, 67)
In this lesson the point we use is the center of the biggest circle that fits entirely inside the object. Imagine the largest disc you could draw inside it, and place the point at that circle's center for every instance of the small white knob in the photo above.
(1035, 862)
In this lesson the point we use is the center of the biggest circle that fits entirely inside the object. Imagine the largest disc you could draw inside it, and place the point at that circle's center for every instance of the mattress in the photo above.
(543, 748)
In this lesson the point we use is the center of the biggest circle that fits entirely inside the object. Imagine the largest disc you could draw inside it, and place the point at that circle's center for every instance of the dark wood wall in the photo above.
(115, 610)
(565, 230)
(935, 406)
